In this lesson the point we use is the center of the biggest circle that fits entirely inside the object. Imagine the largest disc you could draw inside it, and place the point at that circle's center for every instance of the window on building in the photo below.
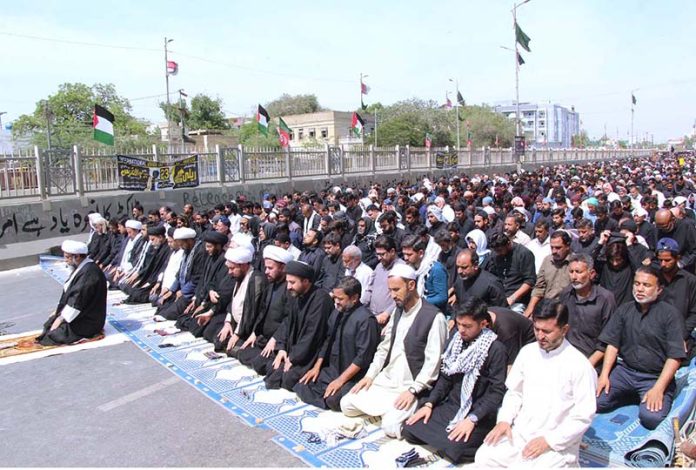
(292, 134)
(542, 114)
(312, 133)
(300, 134)
(542, 123)
(324, 132)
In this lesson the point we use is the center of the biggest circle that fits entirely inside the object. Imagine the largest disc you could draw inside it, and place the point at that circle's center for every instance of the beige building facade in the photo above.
(324, 127)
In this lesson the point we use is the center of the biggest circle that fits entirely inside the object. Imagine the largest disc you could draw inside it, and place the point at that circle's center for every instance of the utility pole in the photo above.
(169, 104)
(375, 127)
(48, 124)
(182, 105)
(456, 99)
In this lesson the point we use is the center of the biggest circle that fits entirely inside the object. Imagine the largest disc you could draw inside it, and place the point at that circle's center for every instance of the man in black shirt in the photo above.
(513, 264)
(347, 351)
(589, 307)
(332, 269)
(513, 330)
(648, 335)
(473, 282)
(683, 232)
(680, 287)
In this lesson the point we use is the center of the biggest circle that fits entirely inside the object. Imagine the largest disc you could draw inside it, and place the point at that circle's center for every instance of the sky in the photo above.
(590, 54)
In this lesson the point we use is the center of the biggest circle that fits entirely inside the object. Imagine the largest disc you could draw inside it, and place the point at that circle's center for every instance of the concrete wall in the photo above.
(31, 221)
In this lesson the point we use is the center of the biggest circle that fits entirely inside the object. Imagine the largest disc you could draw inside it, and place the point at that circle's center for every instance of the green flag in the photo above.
(521, 38)
(633, 99)
(520, 60)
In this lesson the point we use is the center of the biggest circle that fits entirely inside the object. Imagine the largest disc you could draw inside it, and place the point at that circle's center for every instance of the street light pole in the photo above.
(518, 127)
(456, 99)
(169, 104)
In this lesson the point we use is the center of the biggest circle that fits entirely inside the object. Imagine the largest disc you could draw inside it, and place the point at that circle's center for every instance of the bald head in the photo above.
(663, 217)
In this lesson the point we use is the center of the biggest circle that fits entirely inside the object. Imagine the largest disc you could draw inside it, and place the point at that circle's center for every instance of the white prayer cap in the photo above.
(679, 200)
(242, 240)
(74, 247)
(277, 254)
(489, 210)
(403, 270)
(639, 212)
(184, 233)
(417, 197)
(94, 216)
(613, 197)
(239, 255)
(134, 224)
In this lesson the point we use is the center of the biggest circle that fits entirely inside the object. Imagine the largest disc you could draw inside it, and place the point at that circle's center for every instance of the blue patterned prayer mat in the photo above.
(618, 439)
(313, 435)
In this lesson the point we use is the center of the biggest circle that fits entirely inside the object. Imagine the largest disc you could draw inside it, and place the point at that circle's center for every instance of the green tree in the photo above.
(206, 113)
(251, 136)
(69, 113)
(580, 140)
(407, 122)
(286, 105)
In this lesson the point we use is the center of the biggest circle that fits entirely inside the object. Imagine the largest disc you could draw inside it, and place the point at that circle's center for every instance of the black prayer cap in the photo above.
(214, 237)
(300, 269)
(156, 230)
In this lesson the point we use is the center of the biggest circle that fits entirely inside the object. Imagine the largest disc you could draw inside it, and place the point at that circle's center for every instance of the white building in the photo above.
(545, 125)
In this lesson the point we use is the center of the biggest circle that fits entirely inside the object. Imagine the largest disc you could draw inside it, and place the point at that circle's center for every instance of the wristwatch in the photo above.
(473, 418)
(413, 391)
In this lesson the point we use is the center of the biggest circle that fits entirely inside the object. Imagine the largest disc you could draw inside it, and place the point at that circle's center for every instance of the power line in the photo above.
(78, 43)
(269, 72)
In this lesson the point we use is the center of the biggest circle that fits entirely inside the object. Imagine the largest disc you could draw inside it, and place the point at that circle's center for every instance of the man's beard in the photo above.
(645, 300)
(579, 285)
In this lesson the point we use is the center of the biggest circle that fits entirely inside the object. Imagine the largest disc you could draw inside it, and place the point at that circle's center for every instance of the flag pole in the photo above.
(518, 122)
(456, 99)
(169, 104)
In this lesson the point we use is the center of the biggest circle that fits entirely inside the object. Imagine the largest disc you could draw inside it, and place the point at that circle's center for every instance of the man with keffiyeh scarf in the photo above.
(460, 410)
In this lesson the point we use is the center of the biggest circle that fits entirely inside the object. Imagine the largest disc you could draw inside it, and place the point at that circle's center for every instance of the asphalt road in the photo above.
(110, 406)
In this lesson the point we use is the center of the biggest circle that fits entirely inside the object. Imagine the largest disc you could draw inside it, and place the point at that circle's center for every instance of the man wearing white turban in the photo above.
(81, 310)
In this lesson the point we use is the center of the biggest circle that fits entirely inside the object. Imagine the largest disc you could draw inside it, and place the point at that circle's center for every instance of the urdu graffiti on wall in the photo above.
(18, 223)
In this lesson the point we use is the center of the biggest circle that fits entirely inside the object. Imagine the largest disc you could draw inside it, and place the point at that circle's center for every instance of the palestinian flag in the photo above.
(283, 133)
(460, 99)
(357, 125)
(262, 120)
(428, 140)
(103, 123)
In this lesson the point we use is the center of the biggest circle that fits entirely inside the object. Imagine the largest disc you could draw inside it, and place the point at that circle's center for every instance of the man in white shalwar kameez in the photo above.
(401, 370)
(550, 401)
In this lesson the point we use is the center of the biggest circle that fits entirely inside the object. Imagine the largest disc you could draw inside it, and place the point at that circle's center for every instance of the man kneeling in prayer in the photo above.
(347, 350)
(81, 310)
(460, 410)
(549, 403)
(407, 360)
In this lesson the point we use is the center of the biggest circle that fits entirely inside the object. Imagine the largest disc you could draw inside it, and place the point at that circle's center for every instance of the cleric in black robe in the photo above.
(207, 289)
(81, 310)
(461, 409)
(347, 351)
(228, 329)
(303, 331)
(154, 263)
(260, 345)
